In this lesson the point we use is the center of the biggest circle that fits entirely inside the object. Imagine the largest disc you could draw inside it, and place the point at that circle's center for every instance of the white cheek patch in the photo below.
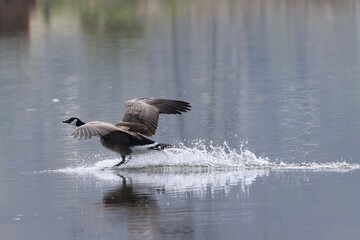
(73, 123)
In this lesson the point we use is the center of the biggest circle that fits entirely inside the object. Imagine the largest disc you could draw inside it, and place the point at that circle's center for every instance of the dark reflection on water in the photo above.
(281, 74)
(124, 195)
(139, 204)
(15, 17)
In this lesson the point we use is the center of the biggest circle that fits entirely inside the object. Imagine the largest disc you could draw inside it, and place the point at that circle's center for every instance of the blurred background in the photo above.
(280, 76)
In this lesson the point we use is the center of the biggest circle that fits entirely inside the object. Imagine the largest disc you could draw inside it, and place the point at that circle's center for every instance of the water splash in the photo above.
(199, 156)
(199, 167)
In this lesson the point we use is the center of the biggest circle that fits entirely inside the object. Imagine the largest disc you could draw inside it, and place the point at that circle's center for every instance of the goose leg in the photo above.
(122, 161)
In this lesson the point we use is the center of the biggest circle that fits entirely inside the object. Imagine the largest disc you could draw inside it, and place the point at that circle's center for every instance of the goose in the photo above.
(140, 121)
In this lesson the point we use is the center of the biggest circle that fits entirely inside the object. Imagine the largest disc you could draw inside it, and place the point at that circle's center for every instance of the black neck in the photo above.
(79, 123)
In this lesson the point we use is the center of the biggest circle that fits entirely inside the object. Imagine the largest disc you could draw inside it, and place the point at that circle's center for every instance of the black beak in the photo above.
(65, 121)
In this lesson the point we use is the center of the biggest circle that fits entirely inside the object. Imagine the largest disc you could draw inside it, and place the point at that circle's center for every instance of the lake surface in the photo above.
(270, 149)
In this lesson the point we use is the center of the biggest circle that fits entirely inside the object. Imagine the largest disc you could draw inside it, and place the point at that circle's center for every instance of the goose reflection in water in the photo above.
(144, 213)
(130, 195)
(140, 207)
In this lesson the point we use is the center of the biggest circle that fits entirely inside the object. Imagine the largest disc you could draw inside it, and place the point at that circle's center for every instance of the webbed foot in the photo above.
(120, 163)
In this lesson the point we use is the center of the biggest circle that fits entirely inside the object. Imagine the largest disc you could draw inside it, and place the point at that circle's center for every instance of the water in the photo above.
(269, 150)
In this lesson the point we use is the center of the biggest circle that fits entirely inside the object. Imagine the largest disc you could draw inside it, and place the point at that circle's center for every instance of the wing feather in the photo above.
(98, 129)
(87, 133)
(142, 114)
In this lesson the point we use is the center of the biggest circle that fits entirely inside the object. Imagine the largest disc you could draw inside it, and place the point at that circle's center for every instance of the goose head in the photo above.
(74, 121)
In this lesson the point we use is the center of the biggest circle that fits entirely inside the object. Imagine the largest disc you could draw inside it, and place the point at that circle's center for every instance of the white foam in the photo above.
(204, 156)
(199, 180)
(201, 168)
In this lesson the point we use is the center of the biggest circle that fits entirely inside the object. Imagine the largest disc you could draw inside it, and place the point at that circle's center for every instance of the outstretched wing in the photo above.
(142, 114)
(99, 129)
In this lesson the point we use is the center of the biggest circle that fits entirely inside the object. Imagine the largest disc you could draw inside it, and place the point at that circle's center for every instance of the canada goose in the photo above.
(140, 118)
